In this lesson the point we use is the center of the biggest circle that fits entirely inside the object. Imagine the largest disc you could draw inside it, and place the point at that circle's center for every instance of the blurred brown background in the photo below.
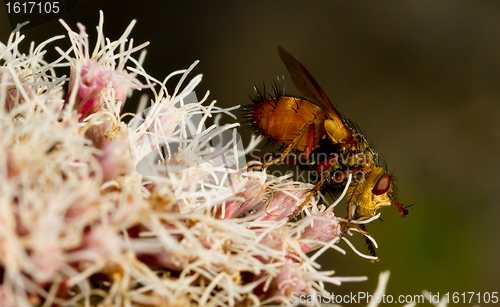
(421, 78)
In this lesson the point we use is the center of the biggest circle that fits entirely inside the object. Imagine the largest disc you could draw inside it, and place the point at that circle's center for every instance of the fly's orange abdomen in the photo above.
(281, 119)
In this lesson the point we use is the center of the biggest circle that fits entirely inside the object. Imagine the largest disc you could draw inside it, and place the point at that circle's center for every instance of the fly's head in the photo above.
(374, 191)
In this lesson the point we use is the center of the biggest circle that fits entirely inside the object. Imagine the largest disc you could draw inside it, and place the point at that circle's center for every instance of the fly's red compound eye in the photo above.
(382, 185)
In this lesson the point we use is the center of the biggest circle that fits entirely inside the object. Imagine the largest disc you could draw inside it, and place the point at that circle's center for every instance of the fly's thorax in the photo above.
(363, 159)
(336, 130)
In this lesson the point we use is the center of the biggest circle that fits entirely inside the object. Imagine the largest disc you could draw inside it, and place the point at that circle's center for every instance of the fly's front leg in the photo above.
(351, 211)
(369, 243)
(346, 225)
(371, 248)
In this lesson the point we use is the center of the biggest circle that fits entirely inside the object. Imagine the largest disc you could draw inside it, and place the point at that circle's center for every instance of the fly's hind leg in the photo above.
(308, 128)
(313, 191)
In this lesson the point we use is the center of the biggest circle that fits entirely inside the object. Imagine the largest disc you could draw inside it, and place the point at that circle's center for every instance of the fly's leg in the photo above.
(307, 128)
(351, 211)
(289, 160)
(313, 191)
(311, 133)
(371, 247)
(351, 208)
(345, 226)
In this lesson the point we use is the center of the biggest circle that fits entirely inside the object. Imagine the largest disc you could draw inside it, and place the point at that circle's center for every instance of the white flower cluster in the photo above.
(79, 226)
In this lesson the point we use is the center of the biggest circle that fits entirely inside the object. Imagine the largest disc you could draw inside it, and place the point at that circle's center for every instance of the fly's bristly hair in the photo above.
(395, 185)
(259, 94)
(356, 129)
(257, 97)
(367, 142)
(358, 133)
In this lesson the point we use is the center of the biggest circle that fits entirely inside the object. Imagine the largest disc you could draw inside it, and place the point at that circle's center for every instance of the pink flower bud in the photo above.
(253, 193)
(115, 159)
(321, 230)
(93, 79)
(290, 279)
(283, 203)
(14, 96)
